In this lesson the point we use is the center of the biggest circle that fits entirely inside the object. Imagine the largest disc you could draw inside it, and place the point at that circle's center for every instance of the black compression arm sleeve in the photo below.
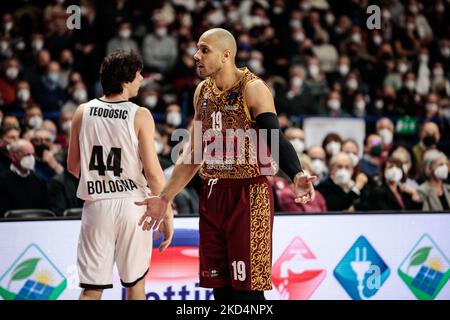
(288, 159)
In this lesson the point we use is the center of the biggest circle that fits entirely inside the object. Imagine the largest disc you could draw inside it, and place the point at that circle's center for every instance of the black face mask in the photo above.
(376, 150)
(39, 150)
(429, 141)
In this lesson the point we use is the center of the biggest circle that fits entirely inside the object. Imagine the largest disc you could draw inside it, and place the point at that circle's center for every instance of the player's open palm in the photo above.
(155, 213)
(304, 188)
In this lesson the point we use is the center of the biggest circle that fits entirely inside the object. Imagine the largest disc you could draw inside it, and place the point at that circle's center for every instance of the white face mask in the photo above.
(445, 51)
(377, 40)
(161, 32)
(12, 73)
(191, 51)
(256, 66)
(441, 172)
(35, 122)
(125, 33)
(342, 177)
(356, 37)
(333, 148)
(344, 69)
(173, 118)
(295, 24)
(360, 105)
(438, 72)
(80, 95)
(151, 101)
(27, 162)
(410, 84)
(334, 104)
(432, 107)
(66, 126)
(37, 45)
(354, 157)
(158, 147)
(296, 81)
(298, 145)
(313, 70)
(393, 174)
(23, 95)
(352, 84)
(386, 135)
(318, 166)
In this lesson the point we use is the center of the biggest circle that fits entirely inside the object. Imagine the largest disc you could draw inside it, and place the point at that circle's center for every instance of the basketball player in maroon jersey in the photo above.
(236, 202)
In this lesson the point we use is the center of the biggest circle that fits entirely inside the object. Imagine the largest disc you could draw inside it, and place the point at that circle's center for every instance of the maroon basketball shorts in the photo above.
(236, 219)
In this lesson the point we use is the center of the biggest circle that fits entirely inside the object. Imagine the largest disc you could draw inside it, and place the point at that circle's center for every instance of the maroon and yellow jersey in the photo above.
(228, 130)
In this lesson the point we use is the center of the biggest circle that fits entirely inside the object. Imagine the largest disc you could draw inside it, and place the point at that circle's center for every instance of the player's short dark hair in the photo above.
(118, 68)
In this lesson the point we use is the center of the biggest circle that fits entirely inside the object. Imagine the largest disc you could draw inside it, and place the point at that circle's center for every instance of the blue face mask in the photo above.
(53, 77)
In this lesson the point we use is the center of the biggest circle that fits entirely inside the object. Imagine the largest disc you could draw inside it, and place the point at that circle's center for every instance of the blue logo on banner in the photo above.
(362, 271)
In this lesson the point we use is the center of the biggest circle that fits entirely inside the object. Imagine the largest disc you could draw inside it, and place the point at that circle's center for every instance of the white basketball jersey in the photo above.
(109, 153)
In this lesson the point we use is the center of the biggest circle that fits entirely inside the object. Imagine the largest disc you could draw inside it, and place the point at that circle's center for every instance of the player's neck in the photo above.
(227, 77)
(116, 97)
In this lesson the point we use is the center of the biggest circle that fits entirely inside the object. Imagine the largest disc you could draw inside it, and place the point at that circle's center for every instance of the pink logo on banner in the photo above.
(296, 274)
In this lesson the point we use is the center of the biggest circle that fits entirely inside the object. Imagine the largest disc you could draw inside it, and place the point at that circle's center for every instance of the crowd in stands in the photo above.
(318, 57)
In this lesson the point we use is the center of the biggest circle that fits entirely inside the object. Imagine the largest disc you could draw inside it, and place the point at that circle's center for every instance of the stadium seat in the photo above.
(29, 214)
(72, 212)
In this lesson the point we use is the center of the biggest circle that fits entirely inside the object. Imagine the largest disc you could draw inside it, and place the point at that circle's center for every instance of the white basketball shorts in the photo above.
(110, 234)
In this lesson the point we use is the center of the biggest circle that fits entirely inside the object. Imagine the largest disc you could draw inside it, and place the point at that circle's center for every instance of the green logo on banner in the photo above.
(406, 126)
(425, 270)
(32, 277)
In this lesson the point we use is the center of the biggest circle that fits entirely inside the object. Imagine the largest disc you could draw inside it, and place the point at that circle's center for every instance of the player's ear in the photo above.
(226, 55)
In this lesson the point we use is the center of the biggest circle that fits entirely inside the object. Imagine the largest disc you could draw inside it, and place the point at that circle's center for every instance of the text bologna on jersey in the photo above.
(111, 186)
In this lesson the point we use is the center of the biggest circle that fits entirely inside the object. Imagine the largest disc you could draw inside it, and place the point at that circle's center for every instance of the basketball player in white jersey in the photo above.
(111, 143)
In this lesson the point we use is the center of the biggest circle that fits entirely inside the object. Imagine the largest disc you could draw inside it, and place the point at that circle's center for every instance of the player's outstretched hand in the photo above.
(303, 188)
(155, 213)
(166, 228)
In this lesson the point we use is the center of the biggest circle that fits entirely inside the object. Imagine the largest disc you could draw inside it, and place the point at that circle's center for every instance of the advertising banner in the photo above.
(348, 256)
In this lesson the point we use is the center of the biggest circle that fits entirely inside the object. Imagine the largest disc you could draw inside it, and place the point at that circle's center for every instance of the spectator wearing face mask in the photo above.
(7, 136)
(359, 105)
(67, 63)
(48, 92)
(429, 138)
(33, 118)
(23, 98)
(65, 124)
(394, 194)
(159, 49)
(317, 83)
(173, 117)
(332, 143)
(435, 192)
(334, 104)
(46, 164)
(351, 88)
(339, 190)
(150, 98)
(408, 98)
(343, 68)
(8, 81)
(371, 160)
(351, 147)
(20, 188)
(405, 155)
(123, 39)
(385, 129)
(297, 138)
(296, 98)
(318, 163)
(78, 95)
